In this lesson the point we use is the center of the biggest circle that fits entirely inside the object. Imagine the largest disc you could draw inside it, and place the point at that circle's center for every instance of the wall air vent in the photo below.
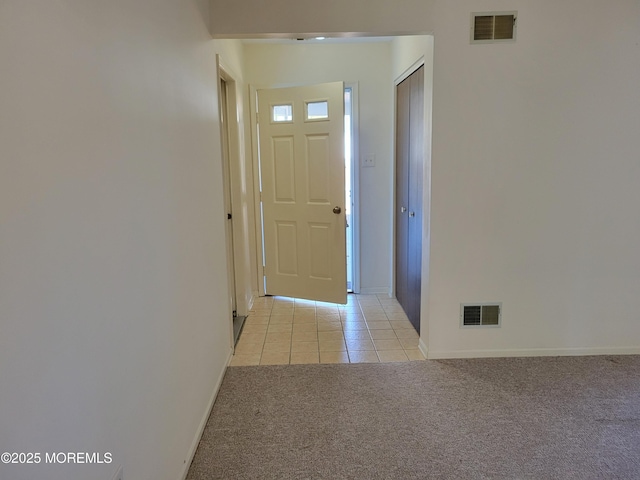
(493, 27)
(480, 314)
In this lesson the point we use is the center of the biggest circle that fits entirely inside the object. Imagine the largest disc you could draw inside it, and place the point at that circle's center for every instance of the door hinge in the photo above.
(228, 216)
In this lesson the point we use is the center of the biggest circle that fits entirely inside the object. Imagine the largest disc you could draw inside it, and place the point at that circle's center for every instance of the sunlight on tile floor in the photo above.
(370, 328)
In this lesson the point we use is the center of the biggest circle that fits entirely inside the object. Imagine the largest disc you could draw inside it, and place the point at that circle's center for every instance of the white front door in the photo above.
(301, 135)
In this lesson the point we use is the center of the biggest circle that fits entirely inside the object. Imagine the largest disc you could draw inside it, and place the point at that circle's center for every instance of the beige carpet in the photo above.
(538, 418)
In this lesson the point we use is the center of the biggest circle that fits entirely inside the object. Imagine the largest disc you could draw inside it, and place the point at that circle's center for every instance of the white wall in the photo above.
(231, 64)
(112, 287)
(284, 17)
(369, 65)
(534, 169)
(407, 53)
(535, 179)
(115, 329)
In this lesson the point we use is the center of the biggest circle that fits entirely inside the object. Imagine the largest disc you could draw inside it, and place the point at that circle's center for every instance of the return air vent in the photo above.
(493, 27)
(480, 314)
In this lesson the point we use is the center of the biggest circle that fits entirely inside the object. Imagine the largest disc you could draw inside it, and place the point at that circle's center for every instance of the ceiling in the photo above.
(307, 39)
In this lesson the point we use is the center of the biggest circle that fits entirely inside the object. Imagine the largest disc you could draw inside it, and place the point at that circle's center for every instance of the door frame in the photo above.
(355, 183)
(426, 195)
(230, 149)
(257, 195)
(355, 179)
(398, 80)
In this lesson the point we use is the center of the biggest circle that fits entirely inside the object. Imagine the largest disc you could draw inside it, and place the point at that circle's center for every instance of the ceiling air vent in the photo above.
(493, 27)
(480, 314)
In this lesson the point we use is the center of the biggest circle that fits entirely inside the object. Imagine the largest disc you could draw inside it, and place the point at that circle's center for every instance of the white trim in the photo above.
(227, 100)
(252, 300)
(533, 352)
(374, 291)
(355, 183)
(409, 71)
(426, 193)
(203, 421)
(253, 116)
(225, 71)
(423, 348)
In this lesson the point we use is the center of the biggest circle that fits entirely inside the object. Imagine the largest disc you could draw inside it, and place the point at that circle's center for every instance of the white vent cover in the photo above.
(493, 27)
(480, 314)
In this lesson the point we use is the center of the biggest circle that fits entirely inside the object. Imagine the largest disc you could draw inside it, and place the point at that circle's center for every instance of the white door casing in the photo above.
(226, 180)
(301, 136)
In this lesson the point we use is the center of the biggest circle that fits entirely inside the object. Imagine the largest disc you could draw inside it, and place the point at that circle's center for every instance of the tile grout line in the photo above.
(355, 307)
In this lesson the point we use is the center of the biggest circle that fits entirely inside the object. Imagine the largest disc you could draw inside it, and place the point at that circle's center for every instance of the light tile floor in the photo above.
(282, 330)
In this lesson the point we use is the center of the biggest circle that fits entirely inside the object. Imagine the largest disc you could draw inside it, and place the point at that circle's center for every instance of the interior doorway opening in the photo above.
(228, 135)
(224, 100)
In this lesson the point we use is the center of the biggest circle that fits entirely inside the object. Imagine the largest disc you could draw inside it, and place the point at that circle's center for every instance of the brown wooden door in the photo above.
(403, 101)
(409, 175)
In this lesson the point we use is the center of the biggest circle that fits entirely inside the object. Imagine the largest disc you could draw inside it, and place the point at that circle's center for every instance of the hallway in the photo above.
(369, 329)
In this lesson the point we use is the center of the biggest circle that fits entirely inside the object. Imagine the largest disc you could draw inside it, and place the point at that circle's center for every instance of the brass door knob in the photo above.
(337, 210)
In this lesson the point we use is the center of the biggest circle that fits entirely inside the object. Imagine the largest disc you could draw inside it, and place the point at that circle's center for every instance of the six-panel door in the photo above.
(301, 134)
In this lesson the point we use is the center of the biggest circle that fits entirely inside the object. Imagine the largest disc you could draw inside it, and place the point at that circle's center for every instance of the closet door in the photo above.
(409, 175)
(403, 98)
(416, 162)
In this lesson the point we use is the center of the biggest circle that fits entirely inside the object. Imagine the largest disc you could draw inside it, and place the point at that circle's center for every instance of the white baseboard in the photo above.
(423, 348)
(374, 290)
(532, 352)
(252, 300)
(205, 418)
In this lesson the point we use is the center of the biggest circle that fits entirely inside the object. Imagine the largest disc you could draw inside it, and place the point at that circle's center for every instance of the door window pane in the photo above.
(317, 110)
(282, 113)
